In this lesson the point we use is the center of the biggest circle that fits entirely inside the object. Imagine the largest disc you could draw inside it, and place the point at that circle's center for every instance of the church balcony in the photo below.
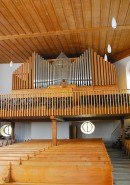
(63, 104)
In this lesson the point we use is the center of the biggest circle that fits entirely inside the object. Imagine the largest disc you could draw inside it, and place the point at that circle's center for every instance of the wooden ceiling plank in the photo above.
(96, 13)
(3, 30)
(82, 41)
(33, 12)
(3, 56)
(75, 42)
(71, 38)
(121, 55)
(69, 14)
(31, 44)
(82, 38)
(51, 45)
(36, 45)
(77, 11)
(123, 40)
(16, 14)
(45, 48)
(25, 14)
(105, 9)
(116, 40)
(126, 42)
(25, 45)
(115, 4)
(127, 18)
(57, 44)
(11, 47)
(19, 48)
(68, 38)
(109, 39)
(124, 6)
(102, 41)
(89, 39)
(57, 5)
(13, 44)
(7, 53)
(96, 43)
(11, 23)
(60, 14)
(64, 44)
(50, 11)
(78, 18)
(87, 18)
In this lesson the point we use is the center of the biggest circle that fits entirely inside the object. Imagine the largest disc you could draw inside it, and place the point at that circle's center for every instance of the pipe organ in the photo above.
(87, 70)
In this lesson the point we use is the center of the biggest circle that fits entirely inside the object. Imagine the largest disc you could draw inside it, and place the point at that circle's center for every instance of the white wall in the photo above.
(128, 74)
(123, 73)
(103, 129)
(6, 77)
(22, 131)
(43, 130)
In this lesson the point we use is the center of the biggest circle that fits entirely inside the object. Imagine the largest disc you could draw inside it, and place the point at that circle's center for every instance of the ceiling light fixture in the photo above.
(11, 63)
(114, 23)
(105, 57)
(109, 48)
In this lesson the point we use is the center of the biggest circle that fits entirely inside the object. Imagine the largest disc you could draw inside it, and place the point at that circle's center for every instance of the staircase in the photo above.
(116, 136)
(121, 166)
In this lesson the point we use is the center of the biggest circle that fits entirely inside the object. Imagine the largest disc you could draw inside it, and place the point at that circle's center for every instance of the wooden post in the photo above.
(13, 131)
(54, 132)
(73, 132)
(123, 132)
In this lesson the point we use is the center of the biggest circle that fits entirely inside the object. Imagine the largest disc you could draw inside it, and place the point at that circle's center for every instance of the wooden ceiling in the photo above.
(71, 26)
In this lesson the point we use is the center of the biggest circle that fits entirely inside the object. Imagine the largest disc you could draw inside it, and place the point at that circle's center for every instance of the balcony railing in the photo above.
(73, 103)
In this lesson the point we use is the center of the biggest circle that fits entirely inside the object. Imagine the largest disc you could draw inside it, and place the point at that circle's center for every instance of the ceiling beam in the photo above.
(61, 32)
(121, 55)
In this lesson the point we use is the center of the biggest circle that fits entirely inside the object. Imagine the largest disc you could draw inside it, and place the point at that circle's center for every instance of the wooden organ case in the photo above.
(88, 70)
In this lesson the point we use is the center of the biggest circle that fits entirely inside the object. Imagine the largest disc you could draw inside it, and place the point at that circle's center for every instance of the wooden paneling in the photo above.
(71, 26)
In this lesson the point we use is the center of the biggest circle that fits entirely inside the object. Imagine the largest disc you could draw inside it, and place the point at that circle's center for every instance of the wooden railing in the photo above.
(69, 103)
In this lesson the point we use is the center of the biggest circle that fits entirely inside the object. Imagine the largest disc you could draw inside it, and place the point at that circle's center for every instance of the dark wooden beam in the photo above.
(121, 55)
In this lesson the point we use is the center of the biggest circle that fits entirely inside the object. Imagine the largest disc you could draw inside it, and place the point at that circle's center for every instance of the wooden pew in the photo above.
(76, 162)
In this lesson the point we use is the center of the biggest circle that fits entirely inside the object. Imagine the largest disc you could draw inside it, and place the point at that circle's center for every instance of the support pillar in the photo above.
(123, 132)
(13, 131)
(73, 132)
(54, 132)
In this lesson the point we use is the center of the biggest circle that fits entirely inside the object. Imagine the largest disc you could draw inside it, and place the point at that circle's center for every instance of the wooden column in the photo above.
(73, 132)
(54, 132)
(123, 132)
(13, 131)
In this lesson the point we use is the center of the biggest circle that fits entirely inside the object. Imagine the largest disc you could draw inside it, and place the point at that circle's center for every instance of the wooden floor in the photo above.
(79, 162)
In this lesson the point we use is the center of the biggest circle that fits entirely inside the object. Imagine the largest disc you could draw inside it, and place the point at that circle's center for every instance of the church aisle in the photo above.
(121, 166)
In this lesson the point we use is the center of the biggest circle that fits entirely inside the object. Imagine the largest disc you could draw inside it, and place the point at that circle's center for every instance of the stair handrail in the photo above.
(116, 133)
